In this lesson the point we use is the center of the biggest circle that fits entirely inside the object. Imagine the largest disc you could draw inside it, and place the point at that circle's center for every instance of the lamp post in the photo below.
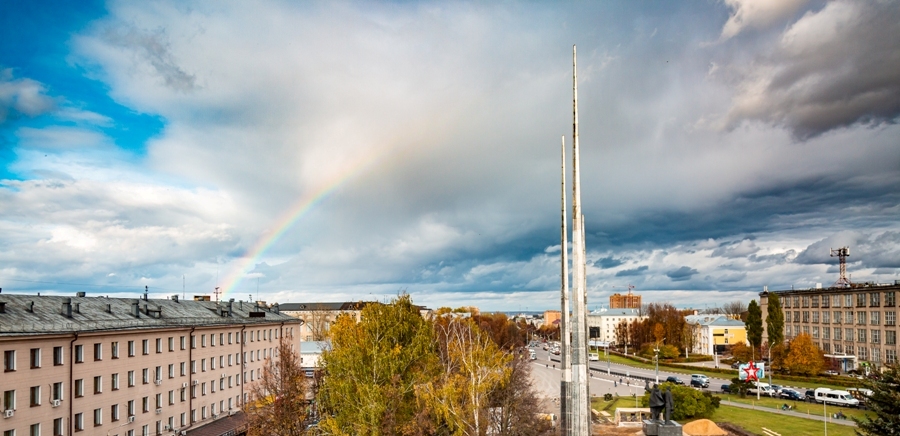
(657, 360)
(607, 360)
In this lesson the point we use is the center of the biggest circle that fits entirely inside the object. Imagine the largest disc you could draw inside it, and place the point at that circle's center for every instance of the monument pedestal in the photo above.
(670, 428)
(651, 427)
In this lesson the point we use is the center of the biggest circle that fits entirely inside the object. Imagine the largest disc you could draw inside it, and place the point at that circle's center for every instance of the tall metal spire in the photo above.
(580, 410)
(564, 338)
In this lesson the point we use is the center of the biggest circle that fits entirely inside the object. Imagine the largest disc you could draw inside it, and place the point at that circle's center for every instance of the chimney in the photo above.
(135, 309)
(67, 308)
(2, 307)
(230, 304)
(80, 294)
(30, 306)
(108, 308)
(275, 308)
(175, 298)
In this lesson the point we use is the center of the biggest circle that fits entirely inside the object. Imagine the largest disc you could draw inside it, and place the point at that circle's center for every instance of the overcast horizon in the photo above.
(343, 151)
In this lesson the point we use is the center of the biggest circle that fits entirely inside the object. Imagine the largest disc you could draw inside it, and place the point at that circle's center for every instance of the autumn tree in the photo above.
(884, 404)
(741, 352)
(774, 320)
(804, 357)
(472, 368)
(280, 400)
(370, 374)
(688, 403)
(754, 325)
(515, 404)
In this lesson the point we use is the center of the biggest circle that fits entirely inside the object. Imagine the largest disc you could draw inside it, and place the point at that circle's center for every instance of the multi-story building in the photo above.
(318, 317)
(552, 318)
(713, 334)
(602, 322)
(128, 367)
(852, 325)
(627, 301)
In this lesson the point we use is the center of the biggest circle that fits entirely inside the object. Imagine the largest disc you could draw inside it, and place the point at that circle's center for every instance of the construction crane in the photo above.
(842, 254)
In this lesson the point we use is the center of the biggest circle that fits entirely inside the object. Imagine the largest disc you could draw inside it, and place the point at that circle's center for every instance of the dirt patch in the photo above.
(734, 429)
(703, 427)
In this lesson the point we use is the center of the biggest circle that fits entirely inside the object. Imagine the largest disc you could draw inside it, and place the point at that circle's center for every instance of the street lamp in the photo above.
(657, 359)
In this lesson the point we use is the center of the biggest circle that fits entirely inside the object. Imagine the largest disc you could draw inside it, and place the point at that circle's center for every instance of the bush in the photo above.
(607, 397)
(689, 403)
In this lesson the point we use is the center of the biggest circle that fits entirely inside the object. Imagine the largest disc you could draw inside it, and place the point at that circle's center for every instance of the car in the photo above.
(737, 364)
(673, 379)
(777, 388)
(761, 388)
(832, 372)
(810, 395)
(790, 394)
(699, 384)
(701, 379)
(594, 357)
(835, 396)
(726, 389)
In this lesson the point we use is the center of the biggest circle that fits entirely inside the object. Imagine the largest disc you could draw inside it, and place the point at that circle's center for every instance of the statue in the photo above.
(657, 403)
(669, 403)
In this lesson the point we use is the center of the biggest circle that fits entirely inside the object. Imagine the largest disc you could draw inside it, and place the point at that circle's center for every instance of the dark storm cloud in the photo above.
(833, 68)
(681, 274)
(608, 262)
(633, 272)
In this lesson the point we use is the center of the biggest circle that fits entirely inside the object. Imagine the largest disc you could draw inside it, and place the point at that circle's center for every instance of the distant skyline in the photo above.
(340, 151)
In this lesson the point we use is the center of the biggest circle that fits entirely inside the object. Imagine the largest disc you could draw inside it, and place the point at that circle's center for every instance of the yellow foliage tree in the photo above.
(804, 357)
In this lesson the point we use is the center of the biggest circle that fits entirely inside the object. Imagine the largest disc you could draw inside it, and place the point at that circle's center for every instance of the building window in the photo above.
(826, 317)
(79, 353)
(888, 299)
(98, 351)
(79, 388)
(183, 369)
(79, 421)
(815, 316)
(861, 317)
(114, 412)
(203, 365)
(890, 356)
(890, 318)
(875, 318)
(826, 332)
(815, 301)
(130, 407)
(848, 334)
(115, 381)
(145, 347)
(145, 375)
(158, 401)
(98, 417)
(837, 316)
(130, 348)
(159, 345)
(862, 353)
(203, 340)
(193, 341)
(861, 300)
(114, 350)
(874, 299)
(182, 343)
(145, 404)
(35, 358)
(836, 301)
(58, 427)
(9, 400)
(35, 430)
(171, 370)
(171, 397)
(849, 317)
(57, 356)
(98, 384)
(57, 393)
(171, 344)
(35, 399)
(861, 335)
(193, 367)
(806, 316)
(876, 336)
(890, 337)
(9, 360)
(131, 379)
(848, 300)
(229, 336)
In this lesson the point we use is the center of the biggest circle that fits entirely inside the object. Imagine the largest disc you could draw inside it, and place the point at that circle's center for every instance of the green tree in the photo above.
(280, 399)
(754, 325)
(370, 374)
(804, 357)
(884, 403)
(774, 320)
(688, 403)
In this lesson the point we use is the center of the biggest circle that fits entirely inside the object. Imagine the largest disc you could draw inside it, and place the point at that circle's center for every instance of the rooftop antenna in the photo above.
(217, 293)
(146, 291)
(842, 254)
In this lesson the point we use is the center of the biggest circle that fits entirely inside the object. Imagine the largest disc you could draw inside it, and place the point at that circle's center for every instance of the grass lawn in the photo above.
(799, 406)
(755, 420)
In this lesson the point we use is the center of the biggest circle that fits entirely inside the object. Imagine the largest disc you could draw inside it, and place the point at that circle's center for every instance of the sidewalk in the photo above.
(848, 421)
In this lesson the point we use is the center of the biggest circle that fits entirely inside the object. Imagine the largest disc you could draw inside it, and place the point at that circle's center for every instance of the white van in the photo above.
(834, 396)
(763, 388)
(533, 355)
(593, 357)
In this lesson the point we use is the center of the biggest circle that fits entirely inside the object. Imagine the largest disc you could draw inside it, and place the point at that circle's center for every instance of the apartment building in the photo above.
(602, 323)
(625, 301)
(853, 325)
(132, 367)
(713, 334)
(318, 317)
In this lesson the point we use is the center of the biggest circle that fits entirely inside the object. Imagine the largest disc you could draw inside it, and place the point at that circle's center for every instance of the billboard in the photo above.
(751, 371)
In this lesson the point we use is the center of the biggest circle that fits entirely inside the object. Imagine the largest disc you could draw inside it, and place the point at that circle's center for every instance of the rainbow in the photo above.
(291, 216)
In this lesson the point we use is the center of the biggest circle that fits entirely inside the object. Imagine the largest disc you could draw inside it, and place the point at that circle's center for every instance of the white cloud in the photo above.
(757, 14)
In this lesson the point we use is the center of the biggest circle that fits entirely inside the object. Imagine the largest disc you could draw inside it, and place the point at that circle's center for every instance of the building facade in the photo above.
(602, 323)
(552, 318)
(626, 301)
(853, 326)
(713, 334)
(129, 367)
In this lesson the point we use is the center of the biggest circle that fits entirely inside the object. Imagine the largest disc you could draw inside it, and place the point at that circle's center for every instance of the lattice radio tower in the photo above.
(842, 254)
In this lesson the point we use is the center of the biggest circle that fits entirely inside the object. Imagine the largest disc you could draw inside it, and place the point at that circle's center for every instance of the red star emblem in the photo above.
(751, 371)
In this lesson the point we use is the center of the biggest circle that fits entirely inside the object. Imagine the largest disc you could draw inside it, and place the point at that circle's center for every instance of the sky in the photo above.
(343, 151)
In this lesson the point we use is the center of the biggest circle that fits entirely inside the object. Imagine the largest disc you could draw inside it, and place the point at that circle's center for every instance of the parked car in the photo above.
(726, 389)
(860, 394)
(790, 394)
(777, 388)
(759, 388)
(810, 395)
(673, 379)
(737, 364)
(832, 372)
(834, 396)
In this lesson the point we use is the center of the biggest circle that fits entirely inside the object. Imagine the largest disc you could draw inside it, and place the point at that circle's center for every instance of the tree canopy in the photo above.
(754, 325)
(774, 320)
(885, 405)
(804, 357)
